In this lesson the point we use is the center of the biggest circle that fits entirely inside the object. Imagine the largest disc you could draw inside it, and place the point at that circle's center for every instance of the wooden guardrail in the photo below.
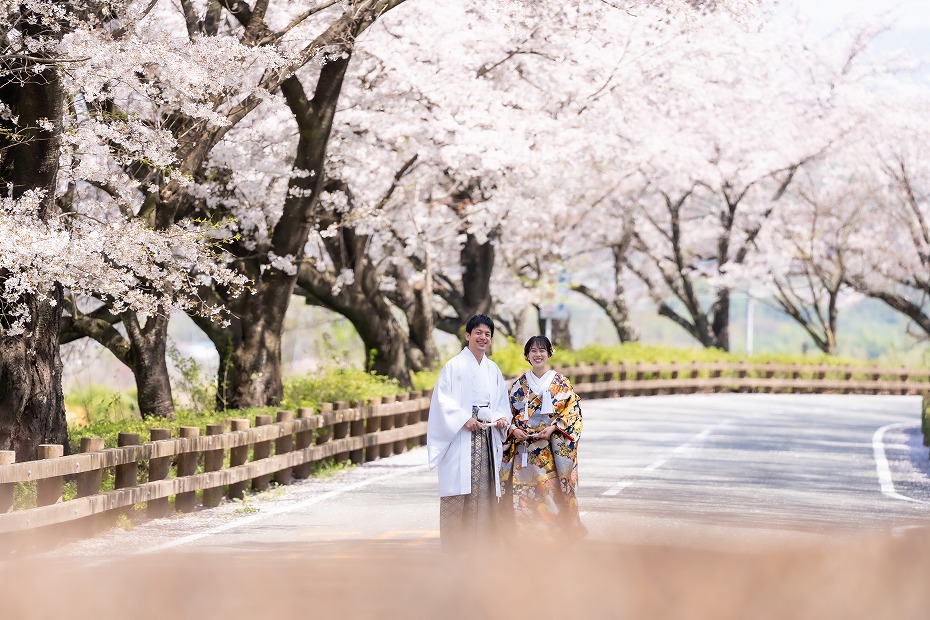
(672, 378)
(229, 461)
(366, 431)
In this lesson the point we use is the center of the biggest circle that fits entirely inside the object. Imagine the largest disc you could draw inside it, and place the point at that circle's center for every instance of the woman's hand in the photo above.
(519, 435)
(546, 432)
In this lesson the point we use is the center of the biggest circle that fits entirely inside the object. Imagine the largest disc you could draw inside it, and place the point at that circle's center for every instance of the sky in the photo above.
(911, 30)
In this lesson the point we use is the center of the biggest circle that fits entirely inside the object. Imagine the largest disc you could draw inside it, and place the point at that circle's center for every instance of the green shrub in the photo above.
(103, 403)
(335, 384)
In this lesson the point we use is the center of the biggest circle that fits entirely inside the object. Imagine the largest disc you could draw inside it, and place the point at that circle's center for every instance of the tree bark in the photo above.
(149, 366)
(474, 296)
(31, 401)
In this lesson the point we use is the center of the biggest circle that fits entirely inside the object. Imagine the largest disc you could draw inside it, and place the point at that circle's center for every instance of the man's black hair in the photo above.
(479, 319)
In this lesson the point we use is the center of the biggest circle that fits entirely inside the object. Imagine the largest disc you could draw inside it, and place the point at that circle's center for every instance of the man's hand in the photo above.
(472, 425)
(501, 423)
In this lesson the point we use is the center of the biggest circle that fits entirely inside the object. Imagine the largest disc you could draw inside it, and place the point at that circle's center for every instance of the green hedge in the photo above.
(111, 412)
(509, 356)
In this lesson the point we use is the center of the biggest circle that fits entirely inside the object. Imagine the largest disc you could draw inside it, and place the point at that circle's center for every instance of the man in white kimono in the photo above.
(468, 420)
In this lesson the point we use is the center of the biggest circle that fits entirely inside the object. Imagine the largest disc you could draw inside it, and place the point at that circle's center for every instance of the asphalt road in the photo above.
(707, 471)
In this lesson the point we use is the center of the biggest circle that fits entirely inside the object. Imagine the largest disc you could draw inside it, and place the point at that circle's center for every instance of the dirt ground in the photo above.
(875, 578)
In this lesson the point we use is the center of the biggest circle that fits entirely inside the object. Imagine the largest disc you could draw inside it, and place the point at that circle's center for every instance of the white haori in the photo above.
(540, 386)
(448, 444)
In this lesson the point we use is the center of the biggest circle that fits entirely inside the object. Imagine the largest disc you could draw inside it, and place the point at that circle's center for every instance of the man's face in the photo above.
(479, 339)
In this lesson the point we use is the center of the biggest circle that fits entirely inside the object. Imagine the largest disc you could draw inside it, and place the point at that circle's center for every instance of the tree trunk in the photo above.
(720, 326)
(423, 351)
(254, 377)
(250, 372)
(616, 307)
(477, 260)
(561, 333)
(149, 366)
(31, 402)
(32, 409)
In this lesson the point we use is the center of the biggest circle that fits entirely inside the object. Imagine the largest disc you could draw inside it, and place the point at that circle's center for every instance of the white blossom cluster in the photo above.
(120, 259)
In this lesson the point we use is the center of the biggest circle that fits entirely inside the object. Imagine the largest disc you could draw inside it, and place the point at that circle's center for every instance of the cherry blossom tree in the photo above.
(62, 238)
(888, 253)
(719, 156)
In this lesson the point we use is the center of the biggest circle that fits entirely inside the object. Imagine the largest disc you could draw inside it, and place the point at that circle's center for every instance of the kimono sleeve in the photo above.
(447, 415)
(568, 408)
(500, 399)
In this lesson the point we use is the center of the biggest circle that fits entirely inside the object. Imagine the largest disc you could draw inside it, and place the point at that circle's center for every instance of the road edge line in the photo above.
(882, 469)
(264, 514)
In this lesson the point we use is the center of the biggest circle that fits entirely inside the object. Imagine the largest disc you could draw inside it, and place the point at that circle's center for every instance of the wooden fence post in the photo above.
(325, 434)
(424, 412)
(158, 470)
(373, 424)
(924, 417)
(90, 481)
(357, 429)
(187, 466)
(127, 474)
(399, 420)
(768, 374)
(261, 450)
(304, 440)
(7, 457)
(238, 455)
(283, 445)
(340, 430)
(48, 490)
(213, 461)
(795, 376)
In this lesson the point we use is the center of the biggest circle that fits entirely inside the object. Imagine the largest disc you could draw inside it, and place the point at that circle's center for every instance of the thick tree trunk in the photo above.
(720, 325)
(477, 260)
(32, 410)
(31, 402)
(478, 264)
(424, 353)
(254, 377)
(386, 343)
(149, 366)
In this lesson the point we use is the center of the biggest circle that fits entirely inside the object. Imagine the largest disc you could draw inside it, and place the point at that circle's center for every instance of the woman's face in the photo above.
(538, 357)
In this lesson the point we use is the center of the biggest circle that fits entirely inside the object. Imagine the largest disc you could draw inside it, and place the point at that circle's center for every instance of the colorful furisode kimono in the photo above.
(540, 476)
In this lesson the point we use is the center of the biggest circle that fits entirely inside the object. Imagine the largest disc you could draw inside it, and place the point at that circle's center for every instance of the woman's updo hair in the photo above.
(539, 342)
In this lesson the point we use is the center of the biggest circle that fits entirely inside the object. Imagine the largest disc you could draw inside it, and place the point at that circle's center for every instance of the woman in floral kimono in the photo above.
(540, 466)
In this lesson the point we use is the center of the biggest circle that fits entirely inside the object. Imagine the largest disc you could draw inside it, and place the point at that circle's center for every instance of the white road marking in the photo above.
(270, 512)
(885, 480)
(682, 449)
